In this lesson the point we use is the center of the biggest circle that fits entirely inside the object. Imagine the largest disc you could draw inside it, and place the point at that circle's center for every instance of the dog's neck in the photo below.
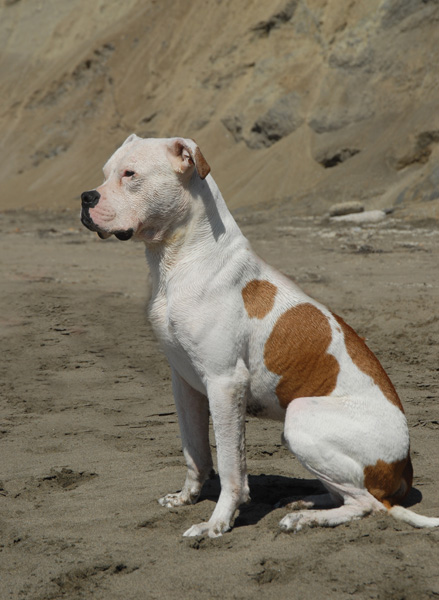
(202, 234)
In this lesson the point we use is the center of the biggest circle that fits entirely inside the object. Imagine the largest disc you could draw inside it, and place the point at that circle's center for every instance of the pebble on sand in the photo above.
(346, 208)
(369, 216)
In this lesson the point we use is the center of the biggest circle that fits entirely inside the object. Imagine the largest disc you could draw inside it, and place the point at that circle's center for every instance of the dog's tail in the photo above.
(403, 472)
(412, 518)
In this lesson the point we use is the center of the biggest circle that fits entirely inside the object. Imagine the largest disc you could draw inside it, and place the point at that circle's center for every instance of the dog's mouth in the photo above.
(88, 222)
(124, 235)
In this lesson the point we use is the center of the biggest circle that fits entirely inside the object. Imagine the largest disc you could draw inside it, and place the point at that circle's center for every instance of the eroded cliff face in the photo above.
(305, 102)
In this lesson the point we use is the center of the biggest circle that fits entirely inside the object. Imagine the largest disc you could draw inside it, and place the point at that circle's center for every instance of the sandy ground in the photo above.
(89, 435)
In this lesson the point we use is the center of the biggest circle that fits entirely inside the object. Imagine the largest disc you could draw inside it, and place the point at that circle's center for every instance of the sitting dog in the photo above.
(242, 338)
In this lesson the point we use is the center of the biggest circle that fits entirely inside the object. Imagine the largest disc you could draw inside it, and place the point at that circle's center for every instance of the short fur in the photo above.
(240, 337)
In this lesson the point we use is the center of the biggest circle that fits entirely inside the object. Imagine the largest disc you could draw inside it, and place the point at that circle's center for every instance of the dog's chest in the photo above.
(164, 321)
(157, 313)
(171, 327)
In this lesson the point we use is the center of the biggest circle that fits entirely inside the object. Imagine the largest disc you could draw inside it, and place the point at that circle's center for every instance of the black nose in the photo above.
(90, 199)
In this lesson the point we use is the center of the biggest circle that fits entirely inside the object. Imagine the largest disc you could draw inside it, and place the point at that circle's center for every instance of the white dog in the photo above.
(242, 338)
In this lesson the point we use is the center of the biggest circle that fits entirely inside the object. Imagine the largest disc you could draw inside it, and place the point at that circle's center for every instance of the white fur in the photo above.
(200, 263)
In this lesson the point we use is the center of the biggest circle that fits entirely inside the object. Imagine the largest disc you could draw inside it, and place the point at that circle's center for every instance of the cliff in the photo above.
(305, 102)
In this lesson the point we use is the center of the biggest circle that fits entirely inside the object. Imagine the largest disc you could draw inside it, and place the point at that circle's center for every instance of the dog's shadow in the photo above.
(268, 492)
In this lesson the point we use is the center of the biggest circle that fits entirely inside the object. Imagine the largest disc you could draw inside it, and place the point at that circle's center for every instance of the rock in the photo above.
(279, 121)
(263, 28)
(393, 12)
(345, 208)
(277, 95)
(233, 124)
(420, 150)
(332, 159)
(369, 216)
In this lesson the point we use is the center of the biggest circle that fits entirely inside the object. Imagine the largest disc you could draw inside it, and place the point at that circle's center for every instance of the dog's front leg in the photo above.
(227, 401)
(193, 417)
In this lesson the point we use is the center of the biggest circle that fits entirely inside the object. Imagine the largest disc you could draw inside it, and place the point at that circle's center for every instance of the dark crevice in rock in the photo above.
(339, 157)
(280, 120)
(264, 28)
(422, 150)
(277, 122)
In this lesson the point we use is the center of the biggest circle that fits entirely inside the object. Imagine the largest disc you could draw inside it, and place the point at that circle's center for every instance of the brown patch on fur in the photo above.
(195, 157)
(367, 362)
(201, 164)
(258, 296)
(297, 351)
(389, 482)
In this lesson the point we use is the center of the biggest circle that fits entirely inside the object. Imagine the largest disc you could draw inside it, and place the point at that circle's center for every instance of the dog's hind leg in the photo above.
(353, 508)
(193, 416)
(318, 501)
(335, 438)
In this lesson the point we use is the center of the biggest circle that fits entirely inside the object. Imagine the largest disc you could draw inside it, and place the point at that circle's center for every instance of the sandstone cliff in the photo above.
(305, 102)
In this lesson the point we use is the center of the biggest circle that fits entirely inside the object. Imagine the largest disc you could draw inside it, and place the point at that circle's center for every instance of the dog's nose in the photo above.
(90, 199)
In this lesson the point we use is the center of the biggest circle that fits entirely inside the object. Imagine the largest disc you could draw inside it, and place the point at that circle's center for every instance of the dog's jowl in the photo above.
(242, 338)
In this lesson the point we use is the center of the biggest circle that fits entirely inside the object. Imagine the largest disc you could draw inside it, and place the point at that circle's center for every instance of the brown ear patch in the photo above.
(258, 296)
(389, 482)
(201, 164)
(195, 157)
(296, 350)
(367, 362)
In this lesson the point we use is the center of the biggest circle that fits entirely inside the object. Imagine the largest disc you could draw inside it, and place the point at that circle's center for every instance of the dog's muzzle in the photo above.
(89, 200)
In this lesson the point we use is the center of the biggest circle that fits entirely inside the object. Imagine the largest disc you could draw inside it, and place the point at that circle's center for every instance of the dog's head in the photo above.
(146, 189)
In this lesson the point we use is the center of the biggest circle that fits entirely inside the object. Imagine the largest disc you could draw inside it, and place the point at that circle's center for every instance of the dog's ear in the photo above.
(185, 154)
(131, 138)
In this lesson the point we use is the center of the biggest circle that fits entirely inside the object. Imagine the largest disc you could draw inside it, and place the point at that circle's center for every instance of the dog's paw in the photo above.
(213, 530)
(297, 521)
(293, 504)
(178, 499)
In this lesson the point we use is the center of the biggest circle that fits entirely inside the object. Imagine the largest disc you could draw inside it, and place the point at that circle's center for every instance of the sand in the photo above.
(297, 106)
(90, 439)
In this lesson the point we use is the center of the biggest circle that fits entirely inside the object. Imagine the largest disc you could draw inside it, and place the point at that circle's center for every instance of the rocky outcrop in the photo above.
(303, 102)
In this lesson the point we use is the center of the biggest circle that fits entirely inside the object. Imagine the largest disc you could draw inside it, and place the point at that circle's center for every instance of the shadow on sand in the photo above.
(268, 492)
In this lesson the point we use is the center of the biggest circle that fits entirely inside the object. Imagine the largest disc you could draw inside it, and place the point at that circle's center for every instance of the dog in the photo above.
(241, 338)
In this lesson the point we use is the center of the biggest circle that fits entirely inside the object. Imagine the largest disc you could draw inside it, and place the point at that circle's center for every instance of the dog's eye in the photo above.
(128, 174)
